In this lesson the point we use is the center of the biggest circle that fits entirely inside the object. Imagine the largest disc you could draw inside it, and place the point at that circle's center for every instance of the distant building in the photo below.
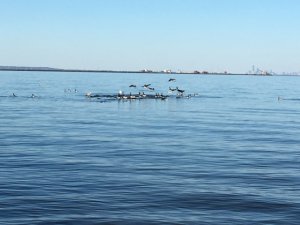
(167, 71)
(146, 71)
(265, 73)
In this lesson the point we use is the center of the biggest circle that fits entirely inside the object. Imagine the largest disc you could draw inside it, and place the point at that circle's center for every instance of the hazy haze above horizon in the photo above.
(213, 35)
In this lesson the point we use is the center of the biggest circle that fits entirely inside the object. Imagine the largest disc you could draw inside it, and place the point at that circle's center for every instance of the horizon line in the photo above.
(204, 72)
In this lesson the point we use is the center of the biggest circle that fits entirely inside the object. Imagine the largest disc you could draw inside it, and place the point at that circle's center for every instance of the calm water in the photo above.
(230, 155)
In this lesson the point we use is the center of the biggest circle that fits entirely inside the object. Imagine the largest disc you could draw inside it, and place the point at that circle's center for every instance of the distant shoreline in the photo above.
(48, 69)
(119, 71)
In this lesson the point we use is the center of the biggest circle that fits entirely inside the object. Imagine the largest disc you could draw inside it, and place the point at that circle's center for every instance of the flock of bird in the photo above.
(141, 94)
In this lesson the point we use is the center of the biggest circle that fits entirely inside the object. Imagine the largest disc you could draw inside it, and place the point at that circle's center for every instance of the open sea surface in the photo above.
(228, 155)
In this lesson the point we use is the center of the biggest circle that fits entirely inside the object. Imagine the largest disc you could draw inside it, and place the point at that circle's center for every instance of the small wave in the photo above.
(291, 99)
(230, 202)
(103, 221)
(207, 96)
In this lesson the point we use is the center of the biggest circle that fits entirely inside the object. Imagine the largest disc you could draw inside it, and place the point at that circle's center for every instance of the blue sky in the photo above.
(214, 35)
